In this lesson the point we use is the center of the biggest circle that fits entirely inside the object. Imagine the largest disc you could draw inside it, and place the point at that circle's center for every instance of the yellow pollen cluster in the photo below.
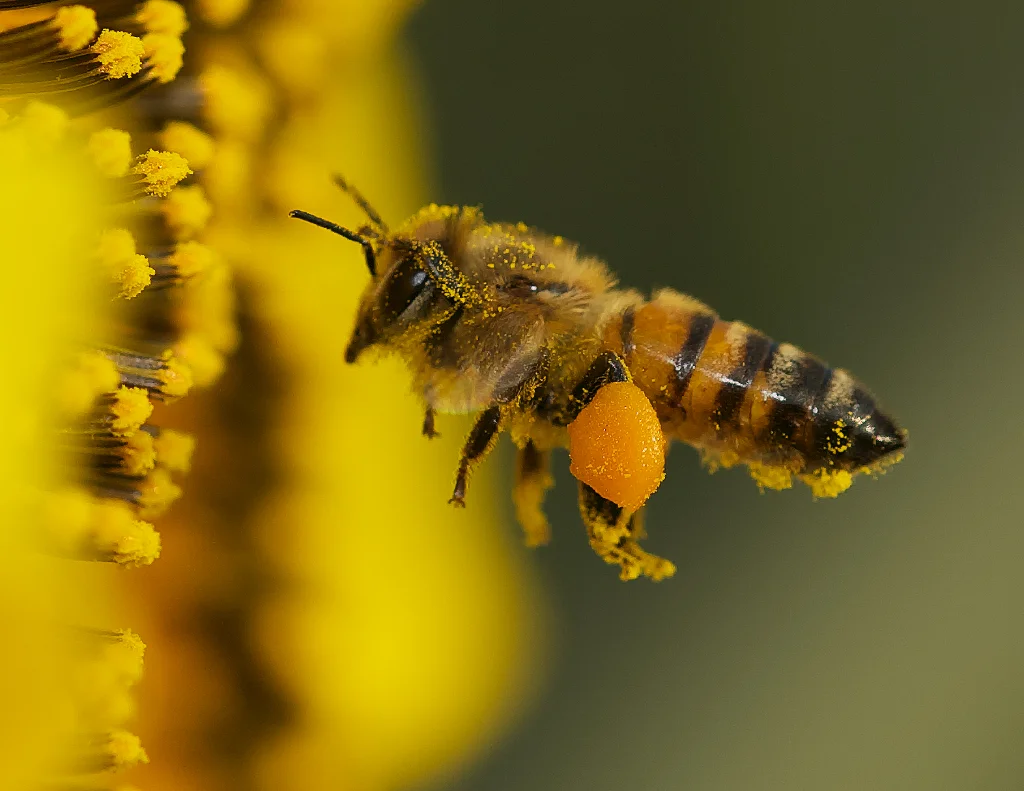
(237, 103)
(174, 449)
(191, 258)
(161, 170)
(221, 13)
(83, 381)
(118, 54)
(828, 483)
(123, 749)
(130, 270)
(192, 143)
(839, 440)
(131, 408)
(111, 151)
(45, 122)
(82, 527)
(719, 460)
(164, 55)
(96, 471)
(162, 16)
(176, 379)
(76, 25)
(187, 211)
(771, 477)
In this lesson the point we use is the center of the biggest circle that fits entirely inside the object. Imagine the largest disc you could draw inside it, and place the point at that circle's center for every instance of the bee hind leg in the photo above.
(607, 367)
(479, 443)
(613, 536)
(533, 479)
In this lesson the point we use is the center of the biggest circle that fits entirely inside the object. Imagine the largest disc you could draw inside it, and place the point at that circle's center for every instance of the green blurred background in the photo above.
(848, 177)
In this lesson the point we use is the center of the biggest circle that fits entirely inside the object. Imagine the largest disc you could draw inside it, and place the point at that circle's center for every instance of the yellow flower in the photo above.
(306, 627)
(66, 679)
(95, 281)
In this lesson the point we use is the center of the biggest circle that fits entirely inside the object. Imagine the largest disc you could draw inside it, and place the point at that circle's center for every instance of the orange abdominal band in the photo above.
(616, 445)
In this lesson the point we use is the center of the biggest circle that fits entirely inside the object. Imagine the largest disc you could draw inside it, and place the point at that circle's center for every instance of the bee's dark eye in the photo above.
(521, 286)
(405, 283)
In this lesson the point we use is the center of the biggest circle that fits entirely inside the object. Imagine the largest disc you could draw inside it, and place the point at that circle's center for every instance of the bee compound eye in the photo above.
(521, 286)
(404, 284)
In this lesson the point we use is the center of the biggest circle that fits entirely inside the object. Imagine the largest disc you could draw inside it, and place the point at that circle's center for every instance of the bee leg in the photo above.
(607, 367)
(532, 481)
(481, 439)
(613, 535)
(428, 424)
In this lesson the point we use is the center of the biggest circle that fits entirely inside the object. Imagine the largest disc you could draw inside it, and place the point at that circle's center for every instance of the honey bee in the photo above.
(523, 329)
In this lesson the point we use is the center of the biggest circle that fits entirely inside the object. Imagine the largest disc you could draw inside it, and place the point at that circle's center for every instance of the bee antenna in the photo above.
(361, 202)
(352, 236)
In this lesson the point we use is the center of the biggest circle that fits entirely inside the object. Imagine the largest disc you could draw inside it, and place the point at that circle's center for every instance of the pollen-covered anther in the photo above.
(114, 750)
(186, 211)
(27, 44)
(89, 376)
(221, 13)
(236, 103)
(120, 537)
(151, 494)
(125, 410)
(118, 54)
(164, 55)
(173, 448)
(45, 123)
(100, 699)
(188, 140)
(129, 270)
(164, 377)
(119, 652)
(187, 260)
(111, 151)
(157, 492)
(119, 413)
(160, 171)
(124, 651)
(162, 16)
(208, 308)
(79, 526)
(202, 358)
(76, 27)
(132, 455)
(175, 379)
(111, 664)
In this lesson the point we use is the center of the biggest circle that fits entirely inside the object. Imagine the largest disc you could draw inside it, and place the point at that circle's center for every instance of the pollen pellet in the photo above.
(616, 445)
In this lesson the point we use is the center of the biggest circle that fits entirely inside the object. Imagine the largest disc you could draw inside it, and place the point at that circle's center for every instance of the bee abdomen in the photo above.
(741, 397)
(784, 407)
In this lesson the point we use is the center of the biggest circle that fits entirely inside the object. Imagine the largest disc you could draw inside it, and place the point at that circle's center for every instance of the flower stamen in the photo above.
(160, 171)
(164, 377)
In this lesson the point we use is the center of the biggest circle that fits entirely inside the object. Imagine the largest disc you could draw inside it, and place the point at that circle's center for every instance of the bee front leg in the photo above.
(613, 535)
(428, 424)
(532, 481)
(481, 439)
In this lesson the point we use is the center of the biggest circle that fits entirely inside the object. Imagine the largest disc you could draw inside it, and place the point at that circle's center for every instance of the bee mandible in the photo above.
(524, 330)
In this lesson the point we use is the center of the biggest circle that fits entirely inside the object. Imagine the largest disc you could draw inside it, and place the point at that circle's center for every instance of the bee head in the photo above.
(406, 275)
(395, 299)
